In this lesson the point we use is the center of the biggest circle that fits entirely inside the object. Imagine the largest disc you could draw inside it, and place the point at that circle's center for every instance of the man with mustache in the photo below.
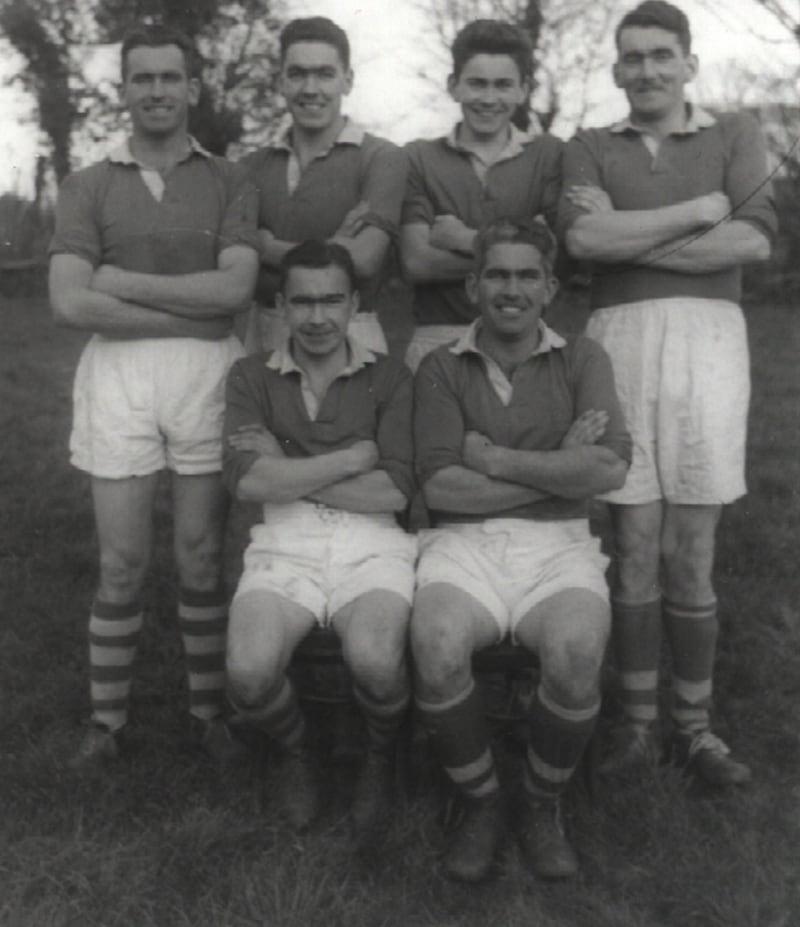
(668, 204)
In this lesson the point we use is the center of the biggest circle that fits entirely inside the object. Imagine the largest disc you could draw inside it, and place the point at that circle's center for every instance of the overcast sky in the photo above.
(392, 44)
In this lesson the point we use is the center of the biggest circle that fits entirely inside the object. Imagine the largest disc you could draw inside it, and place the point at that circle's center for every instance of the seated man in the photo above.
(320, 433)
(515, 428)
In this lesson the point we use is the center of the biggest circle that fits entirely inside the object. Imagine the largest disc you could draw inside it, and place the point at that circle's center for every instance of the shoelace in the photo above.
(705, 740)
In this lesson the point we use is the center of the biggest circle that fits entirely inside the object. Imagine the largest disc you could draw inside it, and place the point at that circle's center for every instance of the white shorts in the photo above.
(428, 337)
(510, 565)
(267, 330)
(682, 372)
(140, 406)
(323, 558)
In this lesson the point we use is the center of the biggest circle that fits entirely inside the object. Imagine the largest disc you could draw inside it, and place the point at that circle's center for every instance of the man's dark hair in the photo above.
(505, 231)
(156, 35)
(492, 37)
(316, 29)
(317, 254)
(660, 15)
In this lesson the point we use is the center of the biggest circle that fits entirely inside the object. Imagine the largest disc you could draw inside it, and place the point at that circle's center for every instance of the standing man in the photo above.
(327, 178)
(669, 203)
(155, 272)
(515, 428)
(485, 169)
(320, 434)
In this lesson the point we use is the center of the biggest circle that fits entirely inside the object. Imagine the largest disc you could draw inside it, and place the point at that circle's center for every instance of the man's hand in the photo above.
(587, 429)
(448, 233)
(257, 440)
(590, 198)
(363, 456)
(353, 222)
(477, 452)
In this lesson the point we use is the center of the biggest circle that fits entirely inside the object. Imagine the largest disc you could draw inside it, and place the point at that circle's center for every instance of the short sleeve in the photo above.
(394, 430)
(417, 204)
(594, 389)
(242, 407)
(76, 223)
(581, 166)
(384, 184)
(438, 415)
(239, 224)
(747, 183)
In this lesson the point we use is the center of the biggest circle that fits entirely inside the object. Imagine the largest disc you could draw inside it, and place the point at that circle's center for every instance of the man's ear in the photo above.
(692, 67)
(355, 302)
(194, 91)
(471, 287)
(452, 82)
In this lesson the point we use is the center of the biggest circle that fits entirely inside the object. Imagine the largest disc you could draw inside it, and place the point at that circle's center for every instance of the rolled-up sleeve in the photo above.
(747, 182)
(242, 407)
(438, 418)
(384, 184)
(394, 430)
(76, 227)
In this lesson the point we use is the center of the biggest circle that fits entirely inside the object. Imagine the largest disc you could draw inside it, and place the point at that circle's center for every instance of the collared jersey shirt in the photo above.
(517, 139)
(295, 205)
(724, 153)
(548, 340)
(283, 361)
(370, 400)
(444, 178)
(116, 212)
(457, 391)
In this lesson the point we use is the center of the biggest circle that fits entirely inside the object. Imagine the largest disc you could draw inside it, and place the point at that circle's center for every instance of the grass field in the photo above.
(162, 841)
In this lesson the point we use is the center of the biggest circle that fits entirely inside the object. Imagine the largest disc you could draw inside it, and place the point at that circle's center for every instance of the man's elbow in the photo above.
(615, 476)
(65, 308)
(412, 266)
(579, 244)
(761, 248)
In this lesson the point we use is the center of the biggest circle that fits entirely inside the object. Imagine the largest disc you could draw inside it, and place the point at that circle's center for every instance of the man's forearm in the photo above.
(720, 248)
(573, 472)
(373, 492)
(460, 490)
(626, 235)
(196, 295)
(285, 479)
(422, 263)
(88, 310)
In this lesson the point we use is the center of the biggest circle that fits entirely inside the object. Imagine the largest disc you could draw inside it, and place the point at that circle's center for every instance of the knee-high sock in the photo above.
(203, 622)
(692, 633)
(113, 638)
(637, 648)
(279, 715)
(383, 718)
(558, 737)
(460, 735)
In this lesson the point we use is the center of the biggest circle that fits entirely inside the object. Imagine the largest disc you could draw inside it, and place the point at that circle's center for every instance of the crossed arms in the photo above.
(124, 304)
(696, 236)
(494, 478)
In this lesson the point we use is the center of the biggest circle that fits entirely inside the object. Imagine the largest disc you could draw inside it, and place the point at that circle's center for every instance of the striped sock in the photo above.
(692, 632)
(557, 740)
(279, 715)
(113, 638)
(203, 622)
(383, 720)
(637, 647)
(459, 734)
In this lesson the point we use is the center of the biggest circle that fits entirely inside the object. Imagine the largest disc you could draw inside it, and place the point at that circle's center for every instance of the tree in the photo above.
(237, 40)
(43, 33)
(568, 38)
(238, 43)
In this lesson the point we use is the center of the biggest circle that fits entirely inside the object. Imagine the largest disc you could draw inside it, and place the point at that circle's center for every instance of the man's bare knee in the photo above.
(122, 573)
(199, 559)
